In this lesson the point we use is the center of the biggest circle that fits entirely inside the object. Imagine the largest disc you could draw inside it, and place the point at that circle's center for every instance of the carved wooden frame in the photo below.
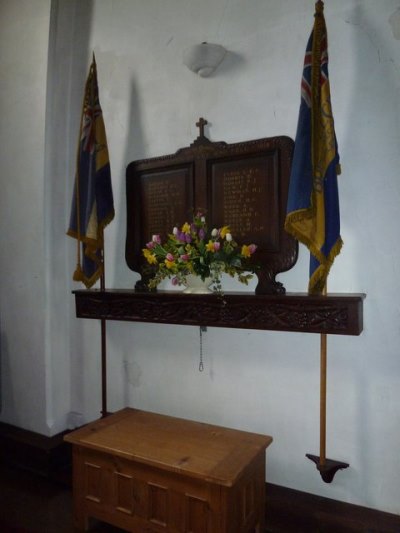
(243, 185)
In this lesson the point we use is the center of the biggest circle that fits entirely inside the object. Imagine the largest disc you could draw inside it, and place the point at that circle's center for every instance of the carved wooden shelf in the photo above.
(340, 314)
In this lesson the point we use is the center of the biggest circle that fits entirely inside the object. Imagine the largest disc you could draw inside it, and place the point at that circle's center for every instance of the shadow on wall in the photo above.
(134, 149)
(394, 22)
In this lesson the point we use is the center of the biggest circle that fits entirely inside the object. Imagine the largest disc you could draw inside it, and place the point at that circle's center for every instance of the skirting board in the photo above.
(287, 510)
(46, 456)
(293, 511)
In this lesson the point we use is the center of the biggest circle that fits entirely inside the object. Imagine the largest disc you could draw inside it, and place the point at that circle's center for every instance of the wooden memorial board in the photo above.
(243, 185)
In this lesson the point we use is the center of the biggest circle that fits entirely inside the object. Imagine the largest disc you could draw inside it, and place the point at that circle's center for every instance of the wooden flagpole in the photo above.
(327, 467)
(103, 343)
(322, 395)
(322, 400)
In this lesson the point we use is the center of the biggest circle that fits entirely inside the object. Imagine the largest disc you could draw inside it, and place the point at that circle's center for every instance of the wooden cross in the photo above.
(200, 124)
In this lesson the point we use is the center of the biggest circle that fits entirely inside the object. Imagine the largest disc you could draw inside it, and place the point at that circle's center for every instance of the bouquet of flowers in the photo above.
(192, 249)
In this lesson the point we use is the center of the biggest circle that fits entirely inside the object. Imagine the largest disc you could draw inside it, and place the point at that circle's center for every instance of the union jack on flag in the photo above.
(92, 202)
(313, 201)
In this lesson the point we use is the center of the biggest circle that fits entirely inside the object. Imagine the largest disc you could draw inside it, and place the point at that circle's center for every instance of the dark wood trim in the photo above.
(287, 510)
(340, 314)
(47, 456)
(293, 511)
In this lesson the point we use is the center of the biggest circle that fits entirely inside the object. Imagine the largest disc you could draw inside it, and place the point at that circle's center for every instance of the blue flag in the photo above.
(92, 202)
(313, 201)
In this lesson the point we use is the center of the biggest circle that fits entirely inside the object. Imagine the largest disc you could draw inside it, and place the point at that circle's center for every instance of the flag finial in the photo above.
(319, 7)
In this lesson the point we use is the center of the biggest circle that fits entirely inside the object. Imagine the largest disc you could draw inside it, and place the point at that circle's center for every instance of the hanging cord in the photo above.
(201, 365)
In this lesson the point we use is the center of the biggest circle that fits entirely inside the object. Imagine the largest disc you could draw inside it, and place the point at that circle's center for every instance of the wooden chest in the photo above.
(149, 473)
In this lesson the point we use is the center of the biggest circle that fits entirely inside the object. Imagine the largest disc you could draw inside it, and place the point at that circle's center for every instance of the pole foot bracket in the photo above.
(329, 469)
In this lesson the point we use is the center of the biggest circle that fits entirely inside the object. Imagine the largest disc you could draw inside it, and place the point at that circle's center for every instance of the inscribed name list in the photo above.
(242, 189)
(164, 201)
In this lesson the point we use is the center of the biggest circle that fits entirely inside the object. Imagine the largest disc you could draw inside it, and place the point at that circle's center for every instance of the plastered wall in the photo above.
(258, 381)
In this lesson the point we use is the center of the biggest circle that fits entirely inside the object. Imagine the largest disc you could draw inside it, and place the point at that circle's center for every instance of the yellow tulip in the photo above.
(150, 257)
(186, 228)
(246, 251)
(210, 246)
(224, 231)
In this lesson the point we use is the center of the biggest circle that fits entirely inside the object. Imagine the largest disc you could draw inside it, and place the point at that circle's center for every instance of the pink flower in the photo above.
(175, 281)
(252, 248)
(150, 245)
(217, 246)
(156, 239)
(169, 257)
(185, 257)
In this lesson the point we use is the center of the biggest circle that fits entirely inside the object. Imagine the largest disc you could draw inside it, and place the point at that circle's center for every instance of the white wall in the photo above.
(258, 381)
(24, 40)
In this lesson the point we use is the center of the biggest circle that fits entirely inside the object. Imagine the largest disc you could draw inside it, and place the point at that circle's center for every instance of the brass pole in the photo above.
(103, 343)
(103, 369)
(322, 414)
(327, 467)
(322, 408)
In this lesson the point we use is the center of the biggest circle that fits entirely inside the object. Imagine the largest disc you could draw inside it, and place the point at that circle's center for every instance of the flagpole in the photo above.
(327, 467)
(315, 166)
(104, 412)
(322, 399)
(94, 178)
(103, 369)
(322, 413)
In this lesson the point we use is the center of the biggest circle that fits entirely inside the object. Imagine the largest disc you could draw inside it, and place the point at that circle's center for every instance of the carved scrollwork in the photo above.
(331, 314)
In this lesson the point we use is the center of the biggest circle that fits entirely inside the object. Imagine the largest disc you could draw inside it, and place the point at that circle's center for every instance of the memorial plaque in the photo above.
(164, 197)
(241, 193)
(243, 185)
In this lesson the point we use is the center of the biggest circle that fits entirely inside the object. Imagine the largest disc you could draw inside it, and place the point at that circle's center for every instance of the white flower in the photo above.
(214, 232)
(175, 231)
(228, 237)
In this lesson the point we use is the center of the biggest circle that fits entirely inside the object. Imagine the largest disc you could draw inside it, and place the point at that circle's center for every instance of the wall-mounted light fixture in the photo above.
(203, 58)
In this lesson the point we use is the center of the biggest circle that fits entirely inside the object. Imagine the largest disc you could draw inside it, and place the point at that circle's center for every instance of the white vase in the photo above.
(195, 285)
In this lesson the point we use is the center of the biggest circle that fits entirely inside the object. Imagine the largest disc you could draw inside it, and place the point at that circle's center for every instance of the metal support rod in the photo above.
(322, 394)
(322, 410)
(103, 346)
(103, 368)
(327, 467)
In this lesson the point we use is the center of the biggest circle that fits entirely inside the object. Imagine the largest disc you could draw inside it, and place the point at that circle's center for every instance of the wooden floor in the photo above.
(29, 503)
